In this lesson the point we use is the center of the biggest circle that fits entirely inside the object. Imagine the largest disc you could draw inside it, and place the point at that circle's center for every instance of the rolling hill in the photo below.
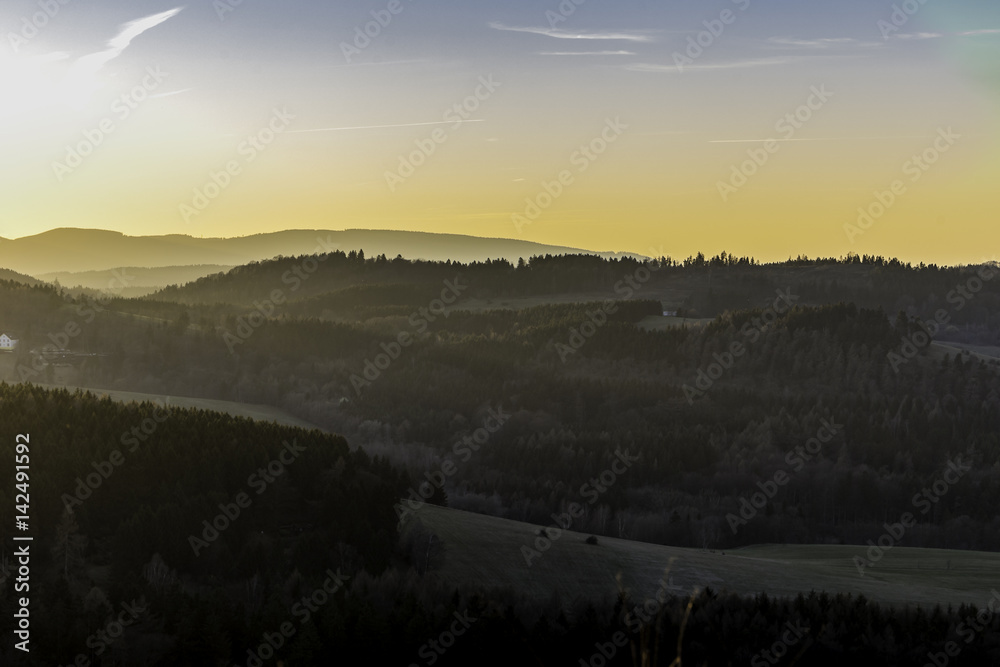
(79, 250)
(483, 549)
(7, 274)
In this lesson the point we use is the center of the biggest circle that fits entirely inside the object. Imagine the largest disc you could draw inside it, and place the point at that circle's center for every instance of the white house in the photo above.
(7, 343)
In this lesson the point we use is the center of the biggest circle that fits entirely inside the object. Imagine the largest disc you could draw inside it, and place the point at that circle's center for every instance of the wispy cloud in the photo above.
(91, 64)
(655, 68)
(808, 139)
(56, 80)
(970, 33)
(83, 73)
(171, 93)
(586, 53)
(628, 36)
(377, 127)
(918, 35)
(384, 63)
(819, 44)
(938, 35)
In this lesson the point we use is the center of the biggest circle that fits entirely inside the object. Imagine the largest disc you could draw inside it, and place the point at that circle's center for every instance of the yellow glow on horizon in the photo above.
(656, 186)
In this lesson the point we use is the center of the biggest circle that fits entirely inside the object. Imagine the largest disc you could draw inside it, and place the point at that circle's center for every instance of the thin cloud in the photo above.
(382, 63)
(630, 36)
(83, 73)
(818, 44)
(171, 93)
(586, 53)
(882, 138)
(939, 35)
(93, 63)
(655, 68)
(377, 127)
(919, 35)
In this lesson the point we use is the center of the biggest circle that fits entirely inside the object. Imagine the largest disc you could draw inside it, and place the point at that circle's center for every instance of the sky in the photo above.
(765, 128)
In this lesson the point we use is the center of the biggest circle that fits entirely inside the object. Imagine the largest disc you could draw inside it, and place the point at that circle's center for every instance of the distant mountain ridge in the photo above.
(78, 250)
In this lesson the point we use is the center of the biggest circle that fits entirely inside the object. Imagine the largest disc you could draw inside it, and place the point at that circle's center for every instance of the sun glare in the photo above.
(32, 84)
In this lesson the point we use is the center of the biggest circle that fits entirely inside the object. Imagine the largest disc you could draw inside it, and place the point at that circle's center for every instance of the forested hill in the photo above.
(14, 276)
(118, 499)
(697, 286)
(591, 373)
(571, 353)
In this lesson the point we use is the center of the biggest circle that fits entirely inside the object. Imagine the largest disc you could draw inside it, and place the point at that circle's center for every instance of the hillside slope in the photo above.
(482, 549)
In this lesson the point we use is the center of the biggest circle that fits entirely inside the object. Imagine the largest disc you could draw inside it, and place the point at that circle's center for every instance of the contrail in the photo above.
(757, 141)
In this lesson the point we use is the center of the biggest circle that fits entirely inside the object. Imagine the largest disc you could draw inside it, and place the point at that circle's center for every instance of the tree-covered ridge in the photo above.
(725, 277)
(707, 441)
(120, 494)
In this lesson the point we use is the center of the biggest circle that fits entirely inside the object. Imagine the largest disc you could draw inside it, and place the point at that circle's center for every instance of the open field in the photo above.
(485, 550)
(988, 354)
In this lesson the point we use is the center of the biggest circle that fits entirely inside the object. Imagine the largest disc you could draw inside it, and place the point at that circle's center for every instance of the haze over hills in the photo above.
(131, 281)
(79, 250)
(7, 274)
(803, 382)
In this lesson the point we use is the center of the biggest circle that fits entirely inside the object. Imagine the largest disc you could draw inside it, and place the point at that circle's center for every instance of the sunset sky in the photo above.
(113, 114)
